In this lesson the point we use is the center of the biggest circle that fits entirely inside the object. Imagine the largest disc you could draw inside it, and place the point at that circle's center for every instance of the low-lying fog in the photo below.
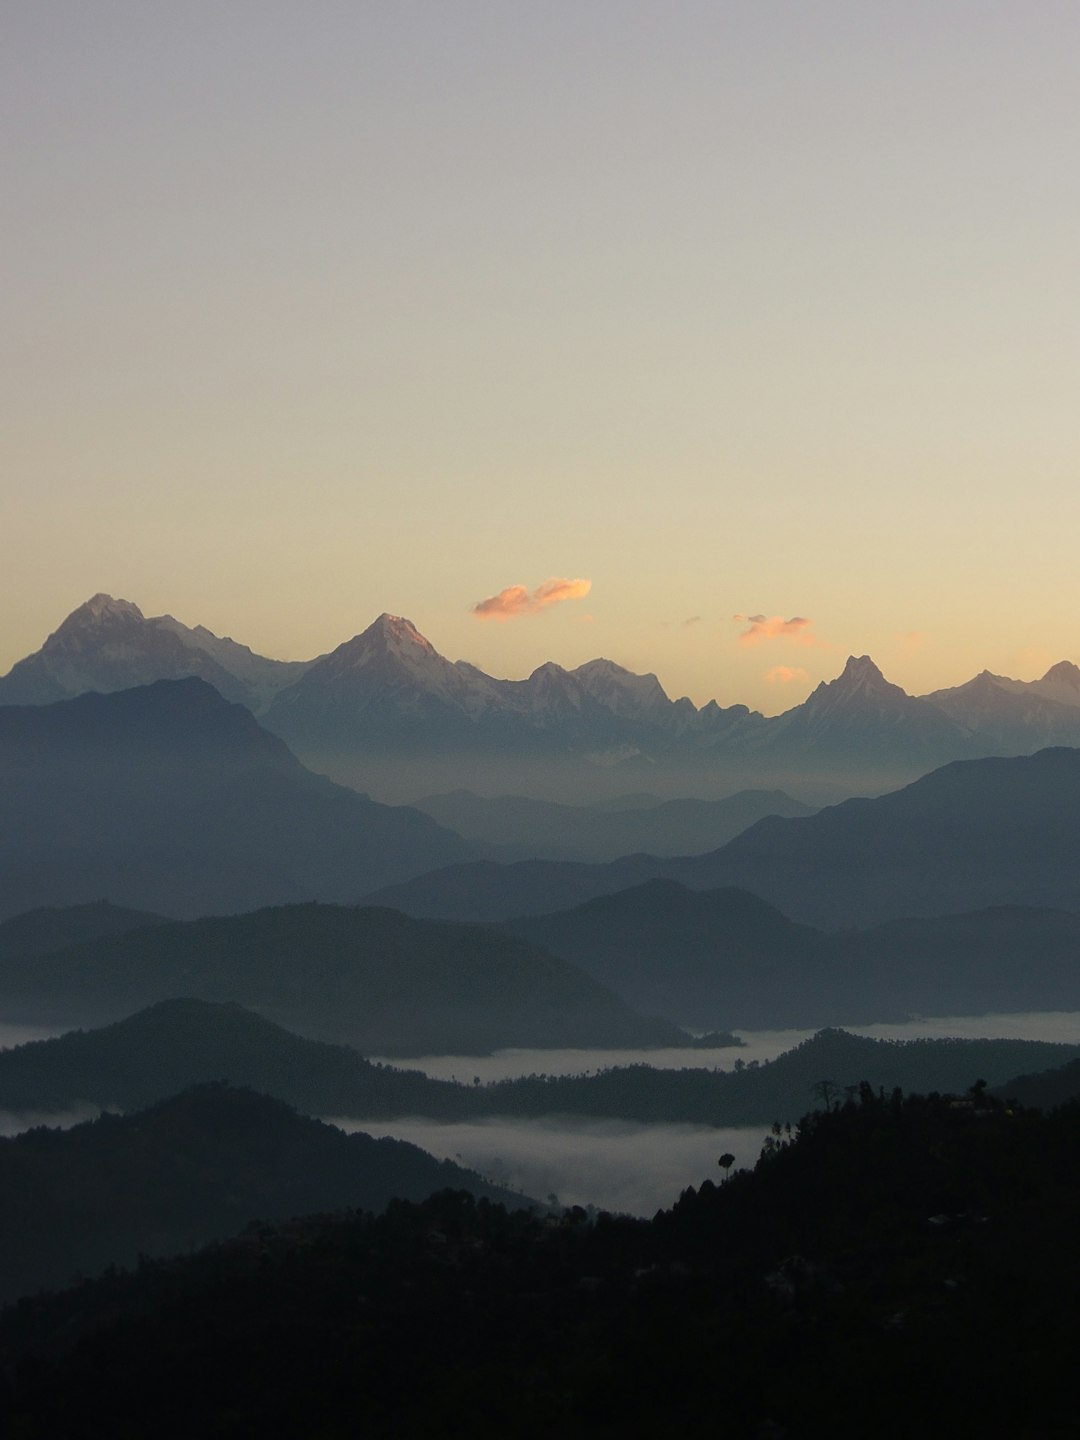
(762, 1045)
(613, 1164)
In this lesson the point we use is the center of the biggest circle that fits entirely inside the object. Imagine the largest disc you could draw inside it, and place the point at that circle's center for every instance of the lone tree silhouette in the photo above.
(725, 1162)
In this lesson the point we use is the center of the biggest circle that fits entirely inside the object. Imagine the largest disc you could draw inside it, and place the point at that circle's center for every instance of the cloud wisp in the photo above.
(516, 600)
(785, 674)
(760, 628)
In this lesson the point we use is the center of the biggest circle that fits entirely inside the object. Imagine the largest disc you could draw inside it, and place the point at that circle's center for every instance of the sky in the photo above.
(615, 320)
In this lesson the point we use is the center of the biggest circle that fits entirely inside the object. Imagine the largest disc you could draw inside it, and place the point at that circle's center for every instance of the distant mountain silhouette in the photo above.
(546, 830)
(971, 834)
(387, 699)
(193, 1168)
(1008, 717)
(374, 978)
(108, 645)
(167, 798)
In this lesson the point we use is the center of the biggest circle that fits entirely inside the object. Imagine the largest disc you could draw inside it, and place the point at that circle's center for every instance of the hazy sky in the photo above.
(319, 309)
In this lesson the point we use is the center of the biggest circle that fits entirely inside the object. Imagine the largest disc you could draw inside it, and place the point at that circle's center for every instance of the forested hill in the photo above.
(902, 1267)
(194, 1168)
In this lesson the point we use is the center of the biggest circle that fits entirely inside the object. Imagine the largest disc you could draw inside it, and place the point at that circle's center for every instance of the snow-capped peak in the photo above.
(397, 633)
(102, 607)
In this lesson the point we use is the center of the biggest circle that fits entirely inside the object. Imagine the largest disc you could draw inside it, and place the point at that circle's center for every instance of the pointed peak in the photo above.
(861, 667)
(1064, 670)
(396, 632)
(102, 606)
(100, 610)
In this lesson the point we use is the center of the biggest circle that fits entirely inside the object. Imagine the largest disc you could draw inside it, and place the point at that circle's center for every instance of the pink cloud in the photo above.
(912, 641)
(516, 600)
(774, 627)
(785, 674)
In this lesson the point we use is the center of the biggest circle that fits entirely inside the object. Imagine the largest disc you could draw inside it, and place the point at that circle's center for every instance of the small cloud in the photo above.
(775, 627)
(585, 619)
(785, 674)
(516, 600)
(912, 641)
(694, 620)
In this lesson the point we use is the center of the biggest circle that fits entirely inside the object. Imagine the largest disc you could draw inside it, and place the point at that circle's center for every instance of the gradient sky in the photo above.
(315, 310)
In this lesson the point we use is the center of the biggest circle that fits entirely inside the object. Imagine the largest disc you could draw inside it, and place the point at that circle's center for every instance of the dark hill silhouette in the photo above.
(726, 958)
(972, 834)
(194, 1168)
(176, 1044)
(36, 932)
(374, 978)
(168, 798)
(1043, 1089)
(710, 957)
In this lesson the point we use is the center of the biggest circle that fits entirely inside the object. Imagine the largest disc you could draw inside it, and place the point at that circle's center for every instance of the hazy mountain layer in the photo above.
(374, 978)
(969, 835)
(579, 832)
(169, 799)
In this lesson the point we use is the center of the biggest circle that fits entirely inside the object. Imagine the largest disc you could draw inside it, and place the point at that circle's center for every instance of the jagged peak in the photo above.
(391, 632)
(1064, 670)
(861, 667)
(101, 606)
(550, 669)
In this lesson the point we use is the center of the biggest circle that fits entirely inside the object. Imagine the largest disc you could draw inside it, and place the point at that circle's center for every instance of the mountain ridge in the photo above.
(387, 694)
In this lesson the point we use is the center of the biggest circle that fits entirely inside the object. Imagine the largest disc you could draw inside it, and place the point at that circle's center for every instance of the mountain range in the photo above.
(388, 696)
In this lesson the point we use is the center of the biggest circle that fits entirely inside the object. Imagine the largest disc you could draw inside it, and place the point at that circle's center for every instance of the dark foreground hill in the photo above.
(374, 978)
(180, 1043)
(972, 834)
(169, 799)
(194, 1168)
(903, 1267)
(726, 958)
